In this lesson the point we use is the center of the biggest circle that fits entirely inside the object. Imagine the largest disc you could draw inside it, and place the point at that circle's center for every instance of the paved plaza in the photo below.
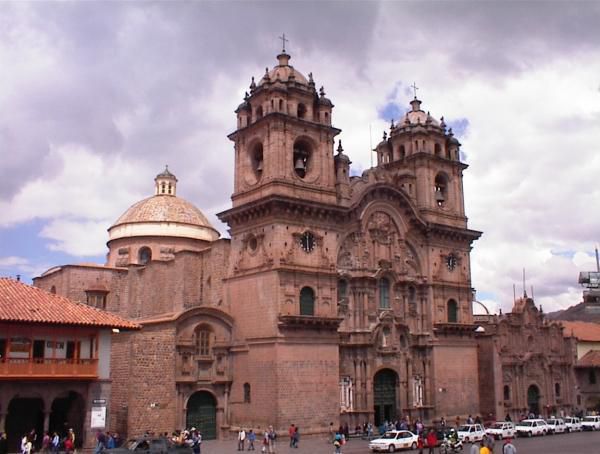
(576, 443)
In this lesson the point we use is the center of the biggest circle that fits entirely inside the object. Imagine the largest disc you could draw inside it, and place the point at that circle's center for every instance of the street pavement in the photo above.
(574, 443)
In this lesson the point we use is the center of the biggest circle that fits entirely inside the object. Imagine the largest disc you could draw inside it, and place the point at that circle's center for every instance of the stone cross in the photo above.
(414, 87)
(283, 40)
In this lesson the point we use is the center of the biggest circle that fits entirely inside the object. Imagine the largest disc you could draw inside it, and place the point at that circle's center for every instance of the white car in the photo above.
(573, 424)
(590, 423)
(556, 425)
(393, 440)
(470, 432)
(531, 427)
(501, 429)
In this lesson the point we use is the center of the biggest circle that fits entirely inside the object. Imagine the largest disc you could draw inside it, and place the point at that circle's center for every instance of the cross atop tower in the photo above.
(283, 41)
(415, 88)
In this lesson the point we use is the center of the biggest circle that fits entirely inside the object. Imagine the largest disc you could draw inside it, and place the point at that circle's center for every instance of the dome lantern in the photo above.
(165, 183)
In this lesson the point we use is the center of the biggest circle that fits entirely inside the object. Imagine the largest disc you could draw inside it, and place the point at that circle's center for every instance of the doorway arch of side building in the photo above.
(27, 412)
(385, 396)
(201, 413)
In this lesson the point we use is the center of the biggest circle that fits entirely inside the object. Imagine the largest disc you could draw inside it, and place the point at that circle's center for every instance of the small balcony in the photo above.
(48, 368)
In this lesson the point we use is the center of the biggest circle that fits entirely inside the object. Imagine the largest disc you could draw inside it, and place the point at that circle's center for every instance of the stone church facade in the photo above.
(337, 298)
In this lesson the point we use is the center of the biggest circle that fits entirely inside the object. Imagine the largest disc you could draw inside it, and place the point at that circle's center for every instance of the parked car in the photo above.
(590, 423)
(531, 427)
(470, 432)
(556, 425)
(573, 424)
(501, 429)
(150, 446)
(393, 440)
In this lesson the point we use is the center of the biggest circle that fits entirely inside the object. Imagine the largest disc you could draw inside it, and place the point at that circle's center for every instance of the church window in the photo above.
(557, 389)
(281, 105)
(506, 392)
(326, 118)
(441, 189)
(204, 341)
(401, 152)
(162, 188)
(259, 112)
(307, 301)
(385, 336)
(452, 307)
(96, 299)
(592, 377)
(257, 159)
(437, 149)
(53, 290)
(247, 391)
(301, 110)
(412, 296)
(170, 188)
(384, 293)
(144, 255)
(342, 289)
(402, 341)
(302, 152)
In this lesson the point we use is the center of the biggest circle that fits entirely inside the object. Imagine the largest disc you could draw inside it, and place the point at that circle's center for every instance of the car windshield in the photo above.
(464, 428)
(497, 426)
(590, 419)
(526, 423)
(389, 436)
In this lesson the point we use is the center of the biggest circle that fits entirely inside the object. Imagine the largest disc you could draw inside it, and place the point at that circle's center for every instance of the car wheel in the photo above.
(413, 446)
(392, 448)
(466, 439)
(530, 434)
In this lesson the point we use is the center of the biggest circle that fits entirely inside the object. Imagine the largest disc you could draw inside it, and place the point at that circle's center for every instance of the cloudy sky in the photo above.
(96, 97)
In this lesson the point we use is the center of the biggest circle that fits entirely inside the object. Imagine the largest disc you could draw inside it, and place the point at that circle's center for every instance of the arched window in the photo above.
(342, 289)
(401, 152)
(162, 188)
(557, 389)
(170, 188)
(301, 110)
(302, 153)
(452, 307)
(412, 296)
(144, 255)
(204, 337)
(307, 301)
(53, 290)
(256, 156)
(384, 293)
(506, 392)
(441, 189)
(437, 149)
(247, 393)
(259, 112)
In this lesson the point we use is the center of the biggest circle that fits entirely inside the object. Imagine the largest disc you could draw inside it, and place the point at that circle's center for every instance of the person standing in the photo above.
(3, 443)
(100, 443)
(241, 439)
(474, 448)
(296, 437)
(484, 449)
(508, 447)
(291, 431)
(272, 440)
(55, 443)
(431, 441)
(196, 442)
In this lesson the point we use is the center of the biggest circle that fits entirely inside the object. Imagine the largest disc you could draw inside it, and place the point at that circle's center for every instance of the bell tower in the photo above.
(284, 225)
(425, 146)
(284, 139)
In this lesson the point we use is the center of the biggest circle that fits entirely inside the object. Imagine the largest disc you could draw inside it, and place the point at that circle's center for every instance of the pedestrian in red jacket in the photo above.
(431, 441)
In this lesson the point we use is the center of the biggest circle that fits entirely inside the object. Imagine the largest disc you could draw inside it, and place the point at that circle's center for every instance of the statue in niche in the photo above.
(381, 227)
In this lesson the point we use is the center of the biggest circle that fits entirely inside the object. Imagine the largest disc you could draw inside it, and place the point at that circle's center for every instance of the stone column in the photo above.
(46, 421)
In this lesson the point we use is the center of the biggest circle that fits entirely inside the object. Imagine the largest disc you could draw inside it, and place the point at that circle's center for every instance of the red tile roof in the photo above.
(590, 359)
(23, 303)
(583, 331)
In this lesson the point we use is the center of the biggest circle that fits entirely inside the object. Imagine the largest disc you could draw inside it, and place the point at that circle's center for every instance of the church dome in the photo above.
(417, 116)
(283, 72)
(163, 214)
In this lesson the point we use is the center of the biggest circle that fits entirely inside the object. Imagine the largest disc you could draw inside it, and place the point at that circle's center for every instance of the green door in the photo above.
(533, 400)
(384, 396)
(202, 414)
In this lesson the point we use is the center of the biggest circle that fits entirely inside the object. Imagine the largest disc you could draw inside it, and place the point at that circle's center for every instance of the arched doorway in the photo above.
(533, 400)
(202, 414)
(384, 396)
(68, 412)
(24, 414)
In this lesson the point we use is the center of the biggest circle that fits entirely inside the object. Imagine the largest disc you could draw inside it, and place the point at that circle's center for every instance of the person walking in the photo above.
(196, 442)
(55, 444)
(291, 431)
(295, 437)
(251, 439)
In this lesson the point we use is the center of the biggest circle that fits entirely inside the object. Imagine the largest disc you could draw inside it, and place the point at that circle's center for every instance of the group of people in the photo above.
(107, 440)
(268, 440)
(49, 443)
